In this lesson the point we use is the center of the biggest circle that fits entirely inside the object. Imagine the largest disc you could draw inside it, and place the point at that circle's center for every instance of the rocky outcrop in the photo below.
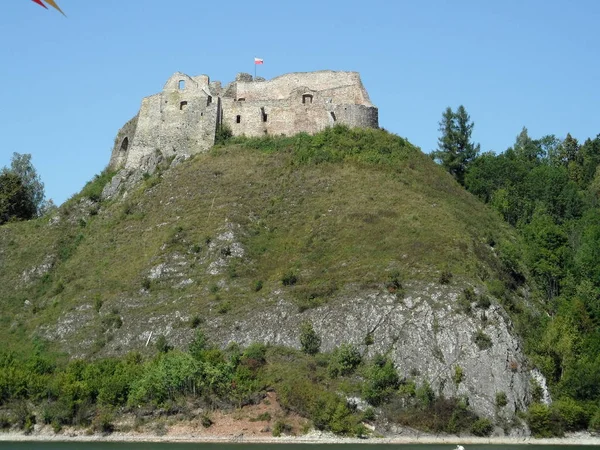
(424, 333)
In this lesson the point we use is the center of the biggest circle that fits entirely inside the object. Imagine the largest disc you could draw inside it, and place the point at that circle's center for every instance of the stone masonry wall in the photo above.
(183, 118)
(122, 143)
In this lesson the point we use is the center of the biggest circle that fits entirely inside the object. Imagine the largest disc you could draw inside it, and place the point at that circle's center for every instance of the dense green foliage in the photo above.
(45, 389)
(549, 190)
(15, 202)
(21, 190)
(455, 150)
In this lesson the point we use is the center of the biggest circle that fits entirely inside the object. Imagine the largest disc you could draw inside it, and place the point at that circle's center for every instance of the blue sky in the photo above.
(68, 84)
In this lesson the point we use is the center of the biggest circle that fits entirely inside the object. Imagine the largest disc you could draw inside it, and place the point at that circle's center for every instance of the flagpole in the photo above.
(255, 68)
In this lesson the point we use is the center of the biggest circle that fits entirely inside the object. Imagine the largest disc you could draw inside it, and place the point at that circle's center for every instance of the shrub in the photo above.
(224, 307)
(24, 417)
(501, 399)
(206, 421)
(482, 340)
(223, 134)
(595, 422)
(537, 393)
(572, 416)
(466, 299)
(458, 375)
(381, 382)
(484, 302)
(309, 340)
(289, 279)
(98, 304)
(344, 360)
(103, 422)
(258, 285)
(445, 277)
(425, 394)
(146, 284)
(254, 354)
(263, 417)
(196, 321)
(4, 422)
(162, 345)
(540, 421)
(281, 427)
(198, 345)
(482, 427)
(393, 284)
(93, 189)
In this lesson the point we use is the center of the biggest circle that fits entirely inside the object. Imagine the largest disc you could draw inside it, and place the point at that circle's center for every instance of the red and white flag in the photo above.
(258, 61)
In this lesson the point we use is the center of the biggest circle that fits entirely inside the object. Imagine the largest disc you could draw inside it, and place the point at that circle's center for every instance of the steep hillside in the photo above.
(356, 231)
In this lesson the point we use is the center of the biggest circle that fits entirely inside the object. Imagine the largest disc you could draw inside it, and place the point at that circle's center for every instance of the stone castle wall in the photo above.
(184, 117)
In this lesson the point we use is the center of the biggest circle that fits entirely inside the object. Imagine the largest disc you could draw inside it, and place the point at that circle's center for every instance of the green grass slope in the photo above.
(310, 214)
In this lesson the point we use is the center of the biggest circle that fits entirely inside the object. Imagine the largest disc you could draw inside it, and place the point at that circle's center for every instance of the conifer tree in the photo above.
(455, 150)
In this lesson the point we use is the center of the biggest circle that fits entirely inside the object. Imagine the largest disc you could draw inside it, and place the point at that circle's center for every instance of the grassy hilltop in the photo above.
(309, 214)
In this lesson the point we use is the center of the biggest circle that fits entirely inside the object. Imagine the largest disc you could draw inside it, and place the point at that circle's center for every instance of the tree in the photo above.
(22, 167)
(15, 202)
(455, 150)
(309, 340)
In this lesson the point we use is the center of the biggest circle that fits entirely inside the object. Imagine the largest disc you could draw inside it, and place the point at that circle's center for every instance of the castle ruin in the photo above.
(184, 118)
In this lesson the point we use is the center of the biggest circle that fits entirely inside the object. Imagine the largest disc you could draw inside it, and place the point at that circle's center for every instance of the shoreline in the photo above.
(313, 437)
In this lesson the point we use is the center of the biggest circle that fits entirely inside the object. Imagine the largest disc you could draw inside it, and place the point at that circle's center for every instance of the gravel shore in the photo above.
(45, 434)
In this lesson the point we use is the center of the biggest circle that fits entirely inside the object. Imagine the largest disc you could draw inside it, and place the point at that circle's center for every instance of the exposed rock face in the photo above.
(423, 333)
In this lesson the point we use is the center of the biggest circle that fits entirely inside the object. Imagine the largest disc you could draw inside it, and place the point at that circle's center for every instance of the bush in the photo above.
(393, 284)
(344, 360)
(458, 376)
(369, 415)
(595, 422)
(162, 345)
(93, 189)
(501, 399)
(206, 421)
(5, 422)
(381, 382)
(196, 321)
(281, 427)
(572, 416)
(425, 394)
(198, 345)
(103, 422)
(254, 355)
(289, 279)
(540, 421)
(484, 302)
(258, 285)
(223, 134)
(445, 277)
(482, 340)
(309, 340)
(263, 417)
(482, 427)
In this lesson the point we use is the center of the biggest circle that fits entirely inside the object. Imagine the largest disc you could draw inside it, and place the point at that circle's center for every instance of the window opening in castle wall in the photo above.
(183, 105)
(333, 116)
(125, 144)
(182, 84)
(238, 119)
(264, 115)
(307, 98)
(208, 100)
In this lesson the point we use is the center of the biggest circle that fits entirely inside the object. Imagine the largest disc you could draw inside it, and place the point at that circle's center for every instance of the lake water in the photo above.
(203, 446)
